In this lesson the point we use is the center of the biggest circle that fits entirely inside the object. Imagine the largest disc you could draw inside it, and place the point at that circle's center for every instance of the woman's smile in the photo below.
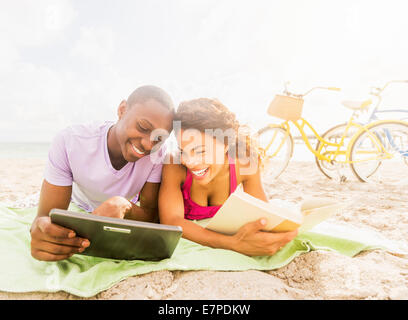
(200, 174)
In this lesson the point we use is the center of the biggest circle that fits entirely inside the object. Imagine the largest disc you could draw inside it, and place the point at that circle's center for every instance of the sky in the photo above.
(70, 61)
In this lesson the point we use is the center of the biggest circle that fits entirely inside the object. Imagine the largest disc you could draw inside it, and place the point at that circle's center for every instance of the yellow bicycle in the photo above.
(363, 147)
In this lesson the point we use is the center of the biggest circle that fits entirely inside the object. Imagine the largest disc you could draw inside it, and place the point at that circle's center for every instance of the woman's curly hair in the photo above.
(205, 114)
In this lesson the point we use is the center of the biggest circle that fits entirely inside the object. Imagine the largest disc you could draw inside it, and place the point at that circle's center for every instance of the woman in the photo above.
(214, 159)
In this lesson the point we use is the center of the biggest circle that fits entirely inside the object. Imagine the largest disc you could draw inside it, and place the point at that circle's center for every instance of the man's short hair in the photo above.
(145, 93)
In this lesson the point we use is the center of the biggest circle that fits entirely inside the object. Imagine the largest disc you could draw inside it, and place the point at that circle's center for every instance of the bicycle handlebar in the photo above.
(334, 89)
(378, 90)
(394, 81)
(307, 92)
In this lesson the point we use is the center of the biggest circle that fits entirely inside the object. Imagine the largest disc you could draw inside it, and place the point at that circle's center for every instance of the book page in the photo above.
(241, 208)
(315, 210)
(282, 208)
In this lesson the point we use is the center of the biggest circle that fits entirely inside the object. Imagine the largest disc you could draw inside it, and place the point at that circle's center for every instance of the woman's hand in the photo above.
(115, 207)
(252, 241)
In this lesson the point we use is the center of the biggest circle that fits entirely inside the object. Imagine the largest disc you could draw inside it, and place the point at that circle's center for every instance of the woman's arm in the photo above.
(249, 240)
(253, 185)
(171, 210)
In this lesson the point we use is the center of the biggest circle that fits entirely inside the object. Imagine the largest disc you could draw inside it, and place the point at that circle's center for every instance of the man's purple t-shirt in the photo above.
(79, 157)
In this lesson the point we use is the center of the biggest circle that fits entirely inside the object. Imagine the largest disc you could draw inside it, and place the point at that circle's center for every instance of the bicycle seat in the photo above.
(356, 105)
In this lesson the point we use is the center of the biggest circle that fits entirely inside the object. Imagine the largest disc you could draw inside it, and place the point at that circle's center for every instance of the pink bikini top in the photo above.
(192, 210)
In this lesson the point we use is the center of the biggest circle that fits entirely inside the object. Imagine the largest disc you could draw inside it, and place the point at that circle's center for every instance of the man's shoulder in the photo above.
(86, 131)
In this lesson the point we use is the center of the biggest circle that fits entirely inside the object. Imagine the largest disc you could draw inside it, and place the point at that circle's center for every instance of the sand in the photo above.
(382, 207)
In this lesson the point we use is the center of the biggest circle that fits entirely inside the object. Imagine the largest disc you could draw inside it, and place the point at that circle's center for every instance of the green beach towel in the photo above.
(86, 276)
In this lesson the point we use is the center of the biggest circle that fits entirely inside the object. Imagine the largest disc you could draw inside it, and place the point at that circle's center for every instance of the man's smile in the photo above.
(137, 151)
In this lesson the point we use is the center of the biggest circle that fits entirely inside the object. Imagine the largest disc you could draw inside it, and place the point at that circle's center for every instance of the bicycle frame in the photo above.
(375, 111)
(332, 154)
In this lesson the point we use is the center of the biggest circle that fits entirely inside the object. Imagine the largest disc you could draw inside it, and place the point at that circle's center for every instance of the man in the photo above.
(104, 169)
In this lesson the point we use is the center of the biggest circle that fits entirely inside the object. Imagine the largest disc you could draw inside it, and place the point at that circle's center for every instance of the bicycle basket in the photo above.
(287, 108)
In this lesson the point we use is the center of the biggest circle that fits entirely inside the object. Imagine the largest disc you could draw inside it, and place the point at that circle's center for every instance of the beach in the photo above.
(376, 274)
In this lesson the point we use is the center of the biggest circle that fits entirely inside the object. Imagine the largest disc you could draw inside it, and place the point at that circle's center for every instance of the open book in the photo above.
(241, 208)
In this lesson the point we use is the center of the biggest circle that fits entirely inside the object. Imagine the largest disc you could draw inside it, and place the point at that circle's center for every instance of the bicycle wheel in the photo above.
(335, 168)
(380, 154)
(276, 146)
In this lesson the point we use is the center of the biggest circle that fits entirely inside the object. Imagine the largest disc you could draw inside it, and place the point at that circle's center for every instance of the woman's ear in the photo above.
(122, 109)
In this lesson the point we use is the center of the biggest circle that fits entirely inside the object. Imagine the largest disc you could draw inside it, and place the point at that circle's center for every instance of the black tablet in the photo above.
(120, 238)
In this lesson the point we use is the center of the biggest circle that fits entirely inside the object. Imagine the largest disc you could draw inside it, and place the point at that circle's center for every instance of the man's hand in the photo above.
(51, 242)
(252, 241)
(120, 207)
(115, 207)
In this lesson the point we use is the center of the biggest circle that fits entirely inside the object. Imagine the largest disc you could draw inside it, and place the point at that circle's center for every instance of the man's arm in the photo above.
(53, 196)
(50, 241)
